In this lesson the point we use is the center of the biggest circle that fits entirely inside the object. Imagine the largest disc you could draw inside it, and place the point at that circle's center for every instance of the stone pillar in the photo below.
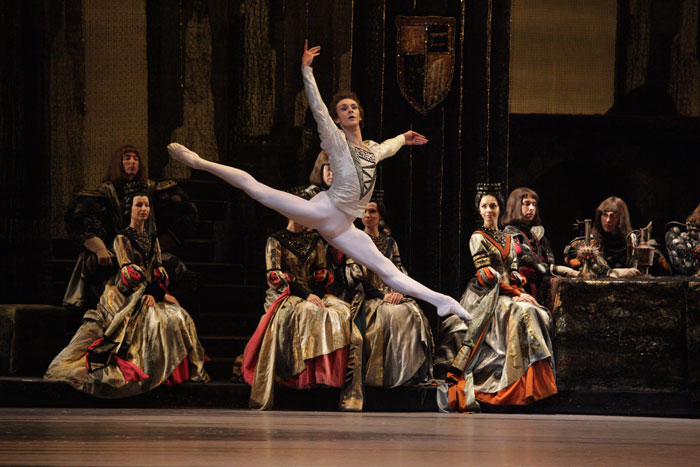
(67, 109)
(197, 130)
(256, 114)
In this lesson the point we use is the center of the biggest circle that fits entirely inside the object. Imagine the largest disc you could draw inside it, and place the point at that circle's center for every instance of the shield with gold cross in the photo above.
(425, 58)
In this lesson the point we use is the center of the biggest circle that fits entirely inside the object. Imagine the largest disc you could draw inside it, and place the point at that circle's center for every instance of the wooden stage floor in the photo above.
(155, 437)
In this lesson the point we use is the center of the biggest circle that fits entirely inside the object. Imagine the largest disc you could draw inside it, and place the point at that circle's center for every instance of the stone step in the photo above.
(36, 392)
(32, 335)
(219, 368)
(241, 323)
(223, 298)
(213, 210)
(223, 346)
(61, 269)
(205, 229)
(204, 251)
(58, 289)
(218, 273)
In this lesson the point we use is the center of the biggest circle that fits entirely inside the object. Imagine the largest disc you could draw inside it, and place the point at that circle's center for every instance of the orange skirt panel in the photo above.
(537, 383)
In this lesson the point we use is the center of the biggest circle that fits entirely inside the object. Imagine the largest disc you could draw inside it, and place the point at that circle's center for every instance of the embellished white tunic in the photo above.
(354, 169)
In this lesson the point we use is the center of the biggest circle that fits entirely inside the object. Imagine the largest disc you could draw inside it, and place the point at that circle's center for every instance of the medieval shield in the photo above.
(425, 58)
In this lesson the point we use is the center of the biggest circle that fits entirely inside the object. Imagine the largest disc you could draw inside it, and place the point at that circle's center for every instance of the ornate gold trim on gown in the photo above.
(298, 343)
(156, 340)
(398, 340)
(506, 351)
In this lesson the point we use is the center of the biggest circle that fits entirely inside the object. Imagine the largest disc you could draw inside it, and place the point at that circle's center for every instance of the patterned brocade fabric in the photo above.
(159, 341)
(300, 244)
(297, 343)
(142, 239)
(494, 256)
(296, 255)
(683, 246)
(98, 214)
(503, 341)
(398, 339)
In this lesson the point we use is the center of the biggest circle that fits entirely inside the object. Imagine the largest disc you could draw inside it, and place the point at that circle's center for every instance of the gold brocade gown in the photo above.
(297, 343)
(505, 352)
(398, 340)
(161, 341)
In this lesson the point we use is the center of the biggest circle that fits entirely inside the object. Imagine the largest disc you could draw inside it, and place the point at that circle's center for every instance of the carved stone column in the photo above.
(67, 108)
(197, 130)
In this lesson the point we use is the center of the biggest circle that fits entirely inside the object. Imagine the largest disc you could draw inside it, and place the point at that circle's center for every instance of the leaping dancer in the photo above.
(332, 212)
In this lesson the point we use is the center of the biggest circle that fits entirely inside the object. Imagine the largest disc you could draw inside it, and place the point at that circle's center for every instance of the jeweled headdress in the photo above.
(492, 189)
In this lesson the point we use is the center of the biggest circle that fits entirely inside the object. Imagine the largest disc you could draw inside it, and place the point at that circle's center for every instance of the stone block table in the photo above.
(627, 335)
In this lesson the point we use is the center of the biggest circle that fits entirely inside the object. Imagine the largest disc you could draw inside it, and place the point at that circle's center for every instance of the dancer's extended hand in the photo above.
(315, 300)
(309, 54)
(415, 139)
(394, 298)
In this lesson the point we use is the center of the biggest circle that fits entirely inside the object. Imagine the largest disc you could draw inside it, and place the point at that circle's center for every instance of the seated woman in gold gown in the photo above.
(505, 357)
(398, 341)
(138, 337)
(303, 340)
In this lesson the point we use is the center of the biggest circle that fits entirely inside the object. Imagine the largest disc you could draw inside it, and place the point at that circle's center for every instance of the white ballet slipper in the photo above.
(455, 309)
(181, 154)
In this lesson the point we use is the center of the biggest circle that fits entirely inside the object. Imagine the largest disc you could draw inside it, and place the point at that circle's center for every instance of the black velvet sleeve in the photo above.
(371, 291)
(88, 216)
(156, 290)
(299, 290)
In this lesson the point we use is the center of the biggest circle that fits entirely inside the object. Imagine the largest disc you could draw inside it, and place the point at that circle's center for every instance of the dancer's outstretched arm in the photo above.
(391, 146)
(332, 140)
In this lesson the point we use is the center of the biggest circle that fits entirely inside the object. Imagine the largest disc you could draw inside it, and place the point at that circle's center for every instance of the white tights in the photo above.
(333, 224)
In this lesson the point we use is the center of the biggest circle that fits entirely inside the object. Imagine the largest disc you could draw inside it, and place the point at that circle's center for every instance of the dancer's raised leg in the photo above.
(357, 245)
(303, 211)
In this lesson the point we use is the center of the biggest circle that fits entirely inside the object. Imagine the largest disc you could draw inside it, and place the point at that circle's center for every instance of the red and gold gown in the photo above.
(505, 356)
(297, 343)
(123, 347)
